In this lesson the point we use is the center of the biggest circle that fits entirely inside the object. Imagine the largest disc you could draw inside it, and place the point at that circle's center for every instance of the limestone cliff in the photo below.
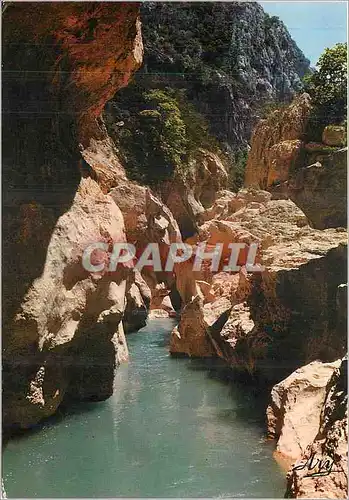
(320, 188)
(62, 330)
(286, 162)
(230, 57)
(65, 188)
(268, 323)
(276, 144)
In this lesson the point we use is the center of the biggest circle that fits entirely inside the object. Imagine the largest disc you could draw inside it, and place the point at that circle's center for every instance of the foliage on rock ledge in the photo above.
(327, 87)
(212, 66)
(158, 132)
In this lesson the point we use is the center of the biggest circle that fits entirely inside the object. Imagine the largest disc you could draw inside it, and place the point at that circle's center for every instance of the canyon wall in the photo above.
(285, 161)
(62, 326)
(289, 325)
(231, 58)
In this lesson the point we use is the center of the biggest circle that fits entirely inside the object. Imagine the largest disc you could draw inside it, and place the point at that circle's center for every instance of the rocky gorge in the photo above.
(66, 186)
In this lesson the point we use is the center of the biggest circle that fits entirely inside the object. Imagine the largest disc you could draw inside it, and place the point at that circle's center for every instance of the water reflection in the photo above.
(173, 428)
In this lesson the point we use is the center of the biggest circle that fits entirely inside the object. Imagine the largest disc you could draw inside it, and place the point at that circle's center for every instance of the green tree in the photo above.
(236, 170)
(327, 86)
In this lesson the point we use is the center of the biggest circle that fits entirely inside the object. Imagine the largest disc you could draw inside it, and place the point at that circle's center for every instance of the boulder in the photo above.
(293, 414)
(161, 301)
(190, 336)
(237, 327)
(334, 135)
(330, 445)
(199, 324)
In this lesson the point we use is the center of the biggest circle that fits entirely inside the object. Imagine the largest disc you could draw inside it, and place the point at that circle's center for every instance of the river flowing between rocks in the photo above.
(173, 428)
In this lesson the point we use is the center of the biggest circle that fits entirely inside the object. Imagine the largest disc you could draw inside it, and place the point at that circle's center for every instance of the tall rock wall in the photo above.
(276, 144)
(62, 330)
(229, 57)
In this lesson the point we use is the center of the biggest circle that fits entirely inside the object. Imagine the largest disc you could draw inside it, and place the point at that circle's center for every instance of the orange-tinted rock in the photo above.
(61, 313)
(276, 143)
(62, 63)
(296, 405)
(330, 445)
(279, 326)
(190, 336)
(282, 159)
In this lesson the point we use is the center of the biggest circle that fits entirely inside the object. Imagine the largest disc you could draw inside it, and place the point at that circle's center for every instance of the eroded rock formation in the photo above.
(65, 188)
(62, 329)
(276, 144)
(292, 325)
(329, 445)
(284, 161)
(295, 408)
(271, 322)
(189, 194)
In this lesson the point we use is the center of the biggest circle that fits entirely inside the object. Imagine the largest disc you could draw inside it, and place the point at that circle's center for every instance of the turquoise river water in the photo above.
(173, 428)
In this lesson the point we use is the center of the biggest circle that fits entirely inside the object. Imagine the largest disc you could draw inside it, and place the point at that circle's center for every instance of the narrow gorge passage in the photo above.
(172, 428)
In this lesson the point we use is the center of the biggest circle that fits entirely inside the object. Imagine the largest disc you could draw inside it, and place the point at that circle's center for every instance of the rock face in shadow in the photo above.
(147, 220)
(190, 337)
(188, 196)
(300, 325)
(62, 330)
(320, 190)
(138, 297)
(329, 445)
